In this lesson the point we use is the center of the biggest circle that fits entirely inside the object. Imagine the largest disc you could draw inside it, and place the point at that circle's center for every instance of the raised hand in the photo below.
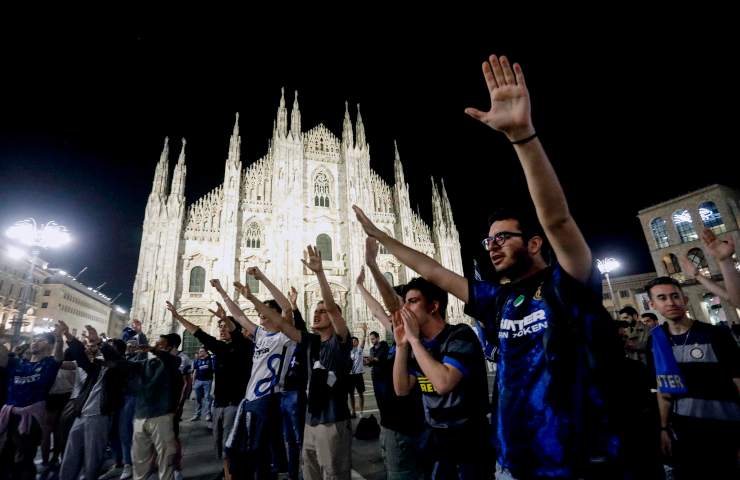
(92, 335)
(719, 249)
(371, 250)
(293, 296)
(216, 283)
(220, 312)
(410, 324)
(688, 267)
(256, 273)
(510, 107)
(312, 259)
(361, 277)
(243, 289)
(172, 310)
(399, 332)
(370, 229)
(60, 329)
(363, 326)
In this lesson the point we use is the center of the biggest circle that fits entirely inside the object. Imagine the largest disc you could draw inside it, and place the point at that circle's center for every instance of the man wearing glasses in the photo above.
(548, 418)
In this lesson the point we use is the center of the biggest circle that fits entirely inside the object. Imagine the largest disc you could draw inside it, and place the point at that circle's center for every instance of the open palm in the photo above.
(719, 249)
(312, 259)
(510, 107)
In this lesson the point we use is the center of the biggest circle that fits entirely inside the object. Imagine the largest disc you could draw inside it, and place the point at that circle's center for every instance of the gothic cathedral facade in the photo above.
(264, 215)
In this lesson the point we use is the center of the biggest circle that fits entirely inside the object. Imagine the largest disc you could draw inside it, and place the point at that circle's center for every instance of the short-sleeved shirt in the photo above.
(297, 367)
(534, 436)
(357, 358)
(379, 353)
(186, 364)
(268, 363)
(203, 368)
(30, 382)
(457, 346)
(334, 356)
(403, 414)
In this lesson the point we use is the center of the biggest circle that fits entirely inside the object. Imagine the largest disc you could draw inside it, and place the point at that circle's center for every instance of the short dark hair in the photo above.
(375, 333)
(399, 289)
(355, 338)
(233, 322)
(48, 337)
(528, 225)
(338, 307)
(274, 305)
(173, 339)
(662, 281)
(650, 315)
(119, 345)
(430, 291)
(629, 310)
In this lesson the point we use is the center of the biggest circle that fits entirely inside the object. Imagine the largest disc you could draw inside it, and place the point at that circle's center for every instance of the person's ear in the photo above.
(534, 245)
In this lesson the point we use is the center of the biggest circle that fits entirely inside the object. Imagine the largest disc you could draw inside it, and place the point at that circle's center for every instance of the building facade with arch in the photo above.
(672, 230)
(264, 215)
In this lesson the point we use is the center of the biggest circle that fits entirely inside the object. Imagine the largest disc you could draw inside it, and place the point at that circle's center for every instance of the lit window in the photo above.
(711, 218)
(197, 279)
(253, 235)
(684, 226)
(321, 190)
(323, 244)
(660, 234)
(696, 256)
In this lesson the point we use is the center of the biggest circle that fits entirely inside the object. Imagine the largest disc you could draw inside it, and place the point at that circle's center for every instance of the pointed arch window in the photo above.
(321, 190)
(684, 226)
(323, 244)
(660, 233)
(197, 280)
(254, 235)
(711, 217)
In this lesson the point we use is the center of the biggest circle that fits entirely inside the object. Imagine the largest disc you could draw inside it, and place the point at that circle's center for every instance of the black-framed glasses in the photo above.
(499, 239)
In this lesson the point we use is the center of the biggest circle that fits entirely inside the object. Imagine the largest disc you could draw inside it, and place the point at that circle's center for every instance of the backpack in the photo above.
(367, 428)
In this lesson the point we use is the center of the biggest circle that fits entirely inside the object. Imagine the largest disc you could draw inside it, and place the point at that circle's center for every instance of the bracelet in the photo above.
(525, 140)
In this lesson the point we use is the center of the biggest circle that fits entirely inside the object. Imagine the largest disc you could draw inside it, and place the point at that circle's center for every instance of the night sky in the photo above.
(631, 115)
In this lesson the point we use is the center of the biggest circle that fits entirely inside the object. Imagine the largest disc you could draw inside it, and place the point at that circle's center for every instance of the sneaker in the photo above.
(127, 472)
(209, 419)
(195, 418)
(113, 472)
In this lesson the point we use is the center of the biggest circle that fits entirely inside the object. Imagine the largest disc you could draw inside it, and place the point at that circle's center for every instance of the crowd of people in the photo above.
(577, 395)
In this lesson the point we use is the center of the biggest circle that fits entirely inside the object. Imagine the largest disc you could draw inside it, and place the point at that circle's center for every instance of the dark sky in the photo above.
(632, 113)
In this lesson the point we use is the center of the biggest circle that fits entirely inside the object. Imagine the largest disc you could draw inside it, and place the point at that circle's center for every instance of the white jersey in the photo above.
(357, 361)
(268, 364)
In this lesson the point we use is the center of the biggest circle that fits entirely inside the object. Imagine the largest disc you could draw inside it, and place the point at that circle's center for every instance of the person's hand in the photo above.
(91, 335)
(293, 296)
(371, 250)
(688, 267)
(410, 324)
(361, 277)
(173, 310)
(220, 313)
(399, 333)
(244, 290)
(216, 283)
(666, 443)
(363, 326)
(510, 108)
(312, 259)
(256, 273)
(370, 229)
(60, 329)
(719, 249)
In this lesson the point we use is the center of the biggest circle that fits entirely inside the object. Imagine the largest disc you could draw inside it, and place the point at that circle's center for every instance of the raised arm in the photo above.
(278, 320)
(425, 266)
(274, 291)
(375, 307)
(510, 114)
(60, 331)
(364, 336)
(390, 298)
(313, 263)
(722, 251)
(691, 271)
(234, 309)
(190, 327)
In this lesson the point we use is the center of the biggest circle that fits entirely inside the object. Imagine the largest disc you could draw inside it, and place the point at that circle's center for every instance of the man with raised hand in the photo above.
(548, 320)
(721, 251)
(327, 442)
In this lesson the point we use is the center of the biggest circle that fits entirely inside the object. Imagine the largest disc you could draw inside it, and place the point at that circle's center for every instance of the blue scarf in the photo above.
(667, 374)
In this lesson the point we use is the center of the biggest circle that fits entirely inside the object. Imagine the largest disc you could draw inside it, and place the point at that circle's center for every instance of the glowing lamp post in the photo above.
(38, 237)
(606, 266)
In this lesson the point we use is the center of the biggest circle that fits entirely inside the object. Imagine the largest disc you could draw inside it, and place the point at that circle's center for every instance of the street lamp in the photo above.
(606, 266)
(38, 237)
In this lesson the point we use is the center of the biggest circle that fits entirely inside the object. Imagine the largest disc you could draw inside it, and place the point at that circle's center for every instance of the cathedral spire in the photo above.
(437, 214)
(398, 167)
(161, 172)
(234, 143)
(347, 136)
(295, 118)
(178, 176)
(447, 207)
(282, 116)
(361, 142)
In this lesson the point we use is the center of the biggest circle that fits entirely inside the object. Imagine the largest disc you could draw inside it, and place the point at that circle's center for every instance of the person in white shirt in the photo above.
(357, 379)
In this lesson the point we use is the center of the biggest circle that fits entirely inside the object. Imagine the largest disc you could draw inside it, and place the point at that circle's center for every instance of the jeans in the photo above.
(293, 410)
(250, 446)
(203, 389)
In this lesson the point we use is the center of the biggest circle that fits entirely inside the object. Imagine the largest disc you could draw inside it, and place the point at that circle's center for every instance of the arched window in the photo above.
(321, 189)
(197, 280)
(670, 262)
(253, 284)
(684, 227)
(711, 218)
(660, 234)
(253, 235)
(696, 256)
(389, 276)
(323, 243)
